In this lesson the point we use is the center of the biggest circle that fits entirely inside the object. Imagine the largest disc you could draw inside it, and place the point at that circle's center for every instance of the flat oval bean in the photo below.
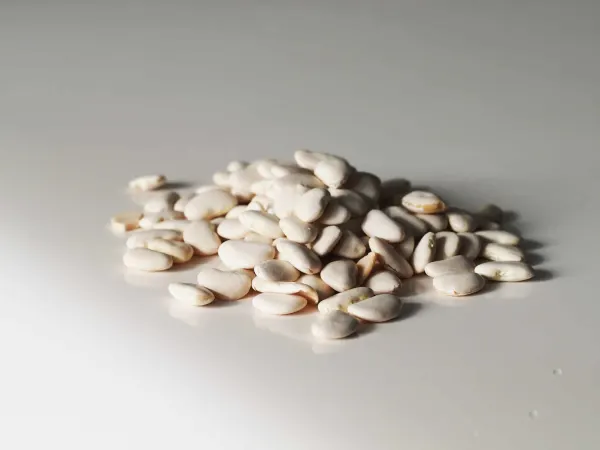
(327, 240)
(279, 304)
(378, 224)
(499, 237)
(179, 251)
(262, 223)
(340, 275)
(459, 284)
(225, 284)
(384, 282)
(470, 245)
(448, 244)
(349, 246)
(210, 204)
(505, 271)
(302, 258)
(202, 237)
(391, 258)
(238, 254)
(423, 202)
(147, 260)
(424, 252)
(334, 325)
(277, 270)
(379, 308)
(455, 264)
(501, 252)
(191, 294)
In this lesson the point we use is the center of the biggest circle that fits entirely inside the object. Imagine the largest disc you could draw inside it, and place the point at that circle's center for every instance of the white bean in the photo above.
(298, 231)
(353, 201)
(191, 294)
(238, 254)
(235, 212)
(335, 214)
(333, 172)
(411, 223)
(147, 260)
(210, 204)
(147, 182)
(365, 266)
(505, 271)
(179, 251)
(350, 246)
(276, 270)
(232, 229)
(327, 240)
(262, 223)
(366, 184)
(226, 285)
(378, 224)
(140, 238)
(308, 159)
(460, 221)
(343, 299)
(123, 222)
(311, 205)
(334, 325)
(302, 258)
(435, 222)
(202, 237)
(499, 237)
(384, 282)
(406, 247)
(448, 244)
(456, 264)
(286, 199)
(459, 284)
(279, 304)
(285, 287)
(424, 252)
(391, 258)
(340, 275)
(251, 236)
(501, 252)
(423, 202)
(379, 308)
(470, 245)
(314, 281)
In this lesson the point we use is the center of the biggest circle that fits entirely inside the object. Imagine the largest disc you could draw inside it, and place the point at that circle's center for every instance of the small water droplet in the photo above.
(557, 372)
(533, 414)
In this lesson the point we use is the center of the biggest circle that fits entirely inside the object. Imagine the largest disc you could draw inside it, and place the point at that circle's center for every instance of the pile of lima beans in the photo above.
(316, 231)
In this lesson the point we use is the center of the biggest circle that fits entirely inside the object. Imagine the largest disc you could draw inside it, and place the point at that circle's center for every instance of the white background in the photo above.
(484, 101)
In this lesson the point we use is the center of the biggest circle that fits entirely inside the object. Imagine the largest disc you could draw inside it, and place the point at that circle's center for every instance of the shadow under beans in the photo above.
(171, 185)
(534, 259)
(542, 275)
(528, 245)
(410, 309)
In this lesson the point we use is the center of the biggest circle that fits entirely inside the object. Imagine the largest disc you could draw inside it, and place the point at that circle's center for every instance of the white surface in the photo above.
(484, 101)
